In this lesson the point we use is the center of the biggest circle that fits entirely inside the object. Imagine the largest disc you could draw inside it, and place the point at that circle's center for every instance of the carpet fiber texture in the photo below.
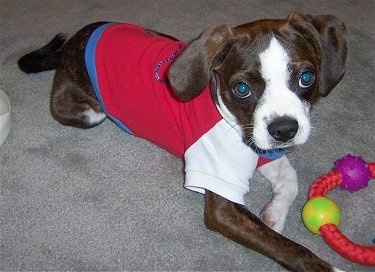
(100, 199)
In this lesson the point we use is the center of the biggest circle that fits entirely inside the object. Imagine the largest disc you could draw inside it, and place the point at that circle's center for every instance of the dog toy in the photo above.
(322, 216)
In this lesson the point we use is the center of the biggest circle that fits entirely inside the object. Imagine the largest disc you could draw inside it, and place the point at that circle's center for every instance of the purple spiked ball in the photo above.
(355, 172)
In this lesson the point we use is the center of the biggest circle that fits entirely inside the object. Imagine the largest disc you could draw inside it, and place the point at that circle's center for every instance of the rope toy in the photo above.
(322, 216)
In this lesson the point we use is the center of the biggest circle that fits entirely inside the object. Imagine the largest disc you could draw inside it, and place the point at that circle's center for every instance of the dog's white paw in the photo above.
(274, 216)
(337, 270)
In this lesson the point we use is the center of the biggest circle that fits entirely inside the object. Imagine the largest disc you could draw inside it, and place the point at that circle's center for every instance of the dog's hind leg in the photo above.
(73, 100)
(72, 106)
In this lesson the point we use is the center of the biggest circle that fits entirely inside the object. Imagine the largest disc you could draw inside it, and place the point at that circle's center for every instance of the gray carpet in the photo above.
(100, 199)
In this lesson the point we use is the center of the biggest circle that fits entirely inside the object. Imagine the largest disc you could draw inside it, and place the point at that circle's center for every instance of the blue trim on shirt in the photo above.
(90, 56)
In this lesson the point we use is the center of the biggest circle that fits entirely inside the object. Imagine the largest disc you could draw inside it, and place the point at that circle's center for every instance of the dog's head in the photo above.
(265, 75)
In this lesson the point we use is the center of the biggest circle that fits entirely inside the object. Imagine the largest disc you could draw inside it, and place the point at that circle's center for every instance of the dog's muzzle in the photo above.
(283, 128)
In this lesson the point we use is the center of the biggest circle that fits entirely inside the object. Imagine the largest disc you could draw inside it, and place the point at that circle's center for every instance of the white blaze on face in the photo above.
(278, 100)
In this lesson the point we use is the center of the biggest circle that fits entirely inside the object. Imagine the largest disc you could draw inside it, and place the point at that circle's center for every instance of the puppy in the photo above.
(229, 102)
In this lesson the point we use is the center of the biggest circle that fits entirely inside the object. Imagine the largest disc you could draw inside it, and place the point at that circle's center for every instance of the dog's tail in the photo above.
(43, 59)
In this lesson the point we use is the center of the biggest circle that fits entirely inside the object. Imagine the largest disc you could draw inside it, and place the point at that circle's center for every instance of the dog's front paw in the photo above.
(274, 217)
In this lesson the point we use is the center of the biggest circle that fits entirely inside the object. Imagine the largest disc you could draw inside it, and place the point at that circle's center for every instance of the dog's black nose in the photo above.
(283, 128)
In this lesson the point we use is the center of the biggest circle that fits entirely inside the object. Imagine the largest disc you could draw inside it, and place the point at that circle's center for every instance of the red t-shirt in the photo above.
(128, 68)
(131, 67)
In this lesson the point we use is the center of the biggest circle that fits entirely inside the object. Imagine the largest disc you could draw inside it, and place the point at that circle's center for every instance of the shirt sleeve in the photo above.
(220, 162)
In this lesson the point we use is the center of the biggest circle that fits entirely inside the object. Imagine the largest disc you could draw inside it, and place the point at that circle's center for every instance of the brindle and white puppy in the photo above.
(263, 77)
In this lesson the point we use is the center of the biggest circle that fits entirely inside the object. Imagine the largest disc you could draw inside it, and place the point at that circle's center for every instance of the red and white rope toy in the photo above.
(322, 216)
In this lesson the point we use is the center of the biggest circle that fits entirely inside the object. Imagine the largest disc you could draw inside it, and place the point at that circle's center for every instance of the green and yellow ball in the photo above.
(318, 212)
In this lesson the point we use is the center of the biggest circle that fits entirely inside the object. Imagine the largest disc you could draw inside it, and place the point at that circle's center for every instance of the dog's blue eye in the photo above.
(306, 79)
(242, 90)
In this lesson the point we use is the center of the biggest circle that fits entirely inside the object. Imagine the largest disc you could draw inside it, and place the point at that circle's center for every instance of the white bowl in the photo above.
(4, 116)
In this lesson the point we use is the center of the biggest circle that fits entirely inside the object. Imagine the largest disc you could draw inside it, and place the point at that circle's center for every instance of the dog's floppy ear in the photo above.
(329, 33)
(191, 72)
